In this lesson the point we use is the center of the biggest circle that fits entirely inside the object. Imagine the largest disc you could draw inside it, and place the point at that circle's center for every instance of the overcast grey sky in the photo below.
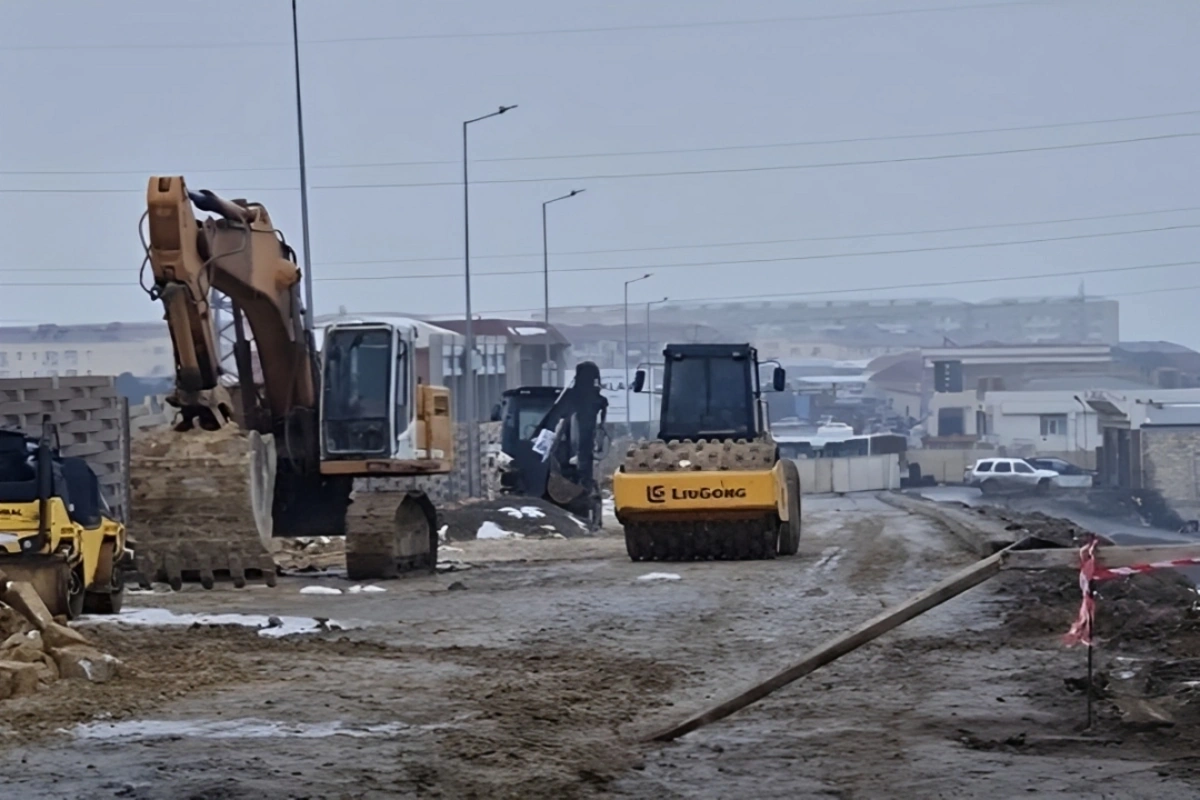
(98, 96)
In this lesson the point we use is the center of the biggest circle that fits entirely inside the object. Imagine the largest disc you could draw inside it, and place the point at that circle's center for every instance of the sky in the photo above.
(729, 148)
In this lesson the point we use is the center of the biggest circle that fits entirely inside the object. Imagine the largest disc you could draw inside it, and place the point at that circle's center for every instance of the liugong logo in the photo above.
(658, 493)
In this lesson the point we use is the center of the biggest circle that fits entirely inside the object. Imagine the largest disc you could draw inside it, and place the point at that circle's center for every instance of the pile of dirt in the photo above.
(1148, 611)
(509, 518)
(37, 650)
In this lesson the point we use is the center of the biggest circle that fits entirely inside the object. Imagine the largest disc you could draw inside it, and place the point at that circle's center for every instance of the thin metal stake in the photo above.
(1090, 655)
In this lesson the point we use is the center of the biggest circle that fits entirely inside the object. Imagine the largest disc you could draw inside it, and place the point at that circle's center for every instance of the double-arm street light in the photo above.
(546, 271)
(649, 348)
(628, 415)
(469, 337)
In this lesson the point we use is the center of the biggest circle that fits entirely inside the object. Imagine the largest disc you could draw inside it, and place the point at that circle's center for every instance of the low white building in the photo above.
(1056, 418)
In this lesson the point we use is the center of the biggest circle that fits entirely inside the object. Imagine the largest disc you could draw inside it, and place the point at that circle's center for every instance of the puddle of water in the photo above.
(267, 626)
(143, 729)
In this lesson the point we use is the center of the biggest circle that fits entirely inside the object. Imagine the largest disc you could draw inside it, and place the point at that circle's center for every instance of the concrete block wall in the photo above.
(1171, 467)
(453, 487)
(92, 420)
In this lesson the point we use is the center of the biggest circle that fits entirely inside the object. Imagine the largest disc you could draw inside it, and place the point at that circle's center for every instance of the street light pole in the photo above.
(308, 276)
(650, 371)
(628, 415)
(546, 272)
(469, 336)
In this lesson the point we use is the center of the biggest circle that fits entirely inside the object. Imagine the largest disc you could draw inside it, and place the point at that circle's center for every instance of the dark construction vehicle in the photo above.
(552, 438)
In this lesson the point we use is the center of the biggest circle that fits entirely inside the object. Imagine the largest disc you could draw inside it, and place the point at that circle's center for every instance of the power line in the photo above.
(629, 153)
(894, 287)
(670, 173)
(695, 264)
(774, 168)
(743, 243)
(541, 32)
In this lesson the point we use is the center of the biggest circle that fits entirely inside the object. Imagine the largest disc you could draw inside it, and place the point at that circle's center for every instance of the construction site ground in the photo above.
(536, 671)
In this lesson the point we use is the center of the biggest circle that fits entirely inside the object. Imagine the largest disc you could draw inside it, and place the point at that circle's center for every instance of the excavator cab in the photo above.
(366, 392)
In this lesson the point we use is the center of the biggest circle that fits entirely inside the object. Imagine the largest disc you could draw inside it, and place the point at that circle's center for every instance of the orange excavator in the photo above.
(209, 496)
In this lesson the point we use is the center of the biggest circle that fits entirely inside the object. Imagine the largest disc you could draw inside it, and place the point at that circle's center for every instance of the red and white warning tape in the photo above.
(1081, 629)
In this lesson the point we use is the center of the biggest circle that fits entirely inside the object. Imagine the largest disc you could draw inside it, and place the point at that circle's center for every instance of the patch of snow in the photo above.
(533, 512)
(368, 589)
(490, 530)
(548, 527)
(685, 463)
(442, 533)
(144, 729)
(159, 617)
(527, 331)
(659, 576)
(320, 590)
(578, 521)
(448, 549)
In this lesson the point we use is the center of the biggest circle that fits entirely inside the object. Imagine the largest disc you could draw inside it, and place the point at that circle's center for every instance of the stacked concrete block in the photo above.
(91, 418)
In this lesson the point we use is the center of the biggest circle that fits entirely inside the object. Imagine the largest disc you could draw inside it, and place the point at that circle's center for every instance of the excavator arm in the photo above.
(240, 254)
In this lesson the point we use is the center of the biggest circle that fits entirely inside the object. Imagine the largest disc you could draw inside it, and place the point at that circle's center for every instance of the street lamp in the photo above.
(650, 371)
(629, 416)
(469, 337)
(546, 268)
(308, 276)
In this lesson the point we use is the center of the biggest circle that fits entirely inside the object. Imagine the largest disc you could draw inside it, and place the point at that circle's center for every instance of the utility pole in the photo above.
(308, 276)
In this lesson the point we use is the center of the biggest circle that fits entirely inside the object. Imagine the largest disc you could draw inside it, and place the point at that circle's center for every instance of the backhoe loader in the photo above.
(712, 485)
(56, 530)
(208, 498)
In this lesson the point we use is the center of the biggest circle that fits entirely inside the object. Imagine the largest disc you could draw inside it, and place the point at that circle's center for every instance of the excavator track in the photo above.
(200, 506)
(389, 533)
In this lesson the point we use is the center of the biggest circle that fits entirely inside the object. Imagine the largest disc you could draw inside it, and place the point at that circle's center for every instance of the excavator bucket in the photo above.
(200, 506)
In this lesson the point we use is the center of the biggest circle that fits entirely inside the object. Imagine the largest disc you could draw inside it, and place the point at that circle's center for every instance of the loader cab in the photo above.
(711, 391)
(367, 391)
(520, 412)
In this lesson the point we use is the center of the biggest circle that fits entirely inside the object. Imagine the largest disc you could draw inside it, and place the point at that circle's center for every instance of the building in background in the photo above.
(141, 349)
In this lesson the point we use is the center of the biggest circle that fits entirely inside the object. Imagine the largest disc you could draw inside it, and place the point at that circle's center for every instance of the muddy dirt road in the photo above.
(533, 673)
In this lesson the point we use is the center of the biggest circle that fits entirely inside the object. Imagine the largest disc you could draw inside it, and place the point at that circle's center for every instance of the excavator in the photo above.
(209, 497)
(712, 485)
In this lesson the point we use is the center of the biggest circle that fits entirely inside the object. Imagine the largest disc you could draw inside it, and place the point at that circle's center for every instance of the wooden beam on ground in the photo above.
(915, 606)
(1111, 556)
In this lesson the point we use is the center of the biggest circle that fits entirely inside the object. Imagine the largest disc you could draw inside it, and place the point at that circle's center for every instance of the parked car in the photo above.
(1009, 474)
(1058, 465)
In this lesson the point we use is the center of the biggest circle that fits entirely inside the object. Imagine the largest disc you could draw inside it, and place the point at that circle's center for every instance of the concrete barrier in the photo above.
(849, 474)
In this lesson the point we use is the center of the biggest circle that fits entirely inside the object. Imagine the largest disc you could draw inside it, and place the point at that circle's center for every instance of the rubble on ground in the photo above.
(37, 650)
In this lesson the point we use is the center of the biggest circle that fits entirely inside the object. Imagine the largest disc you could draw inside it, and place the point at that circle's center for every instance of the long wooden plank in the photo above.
(1105, 556)
(915, 606)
